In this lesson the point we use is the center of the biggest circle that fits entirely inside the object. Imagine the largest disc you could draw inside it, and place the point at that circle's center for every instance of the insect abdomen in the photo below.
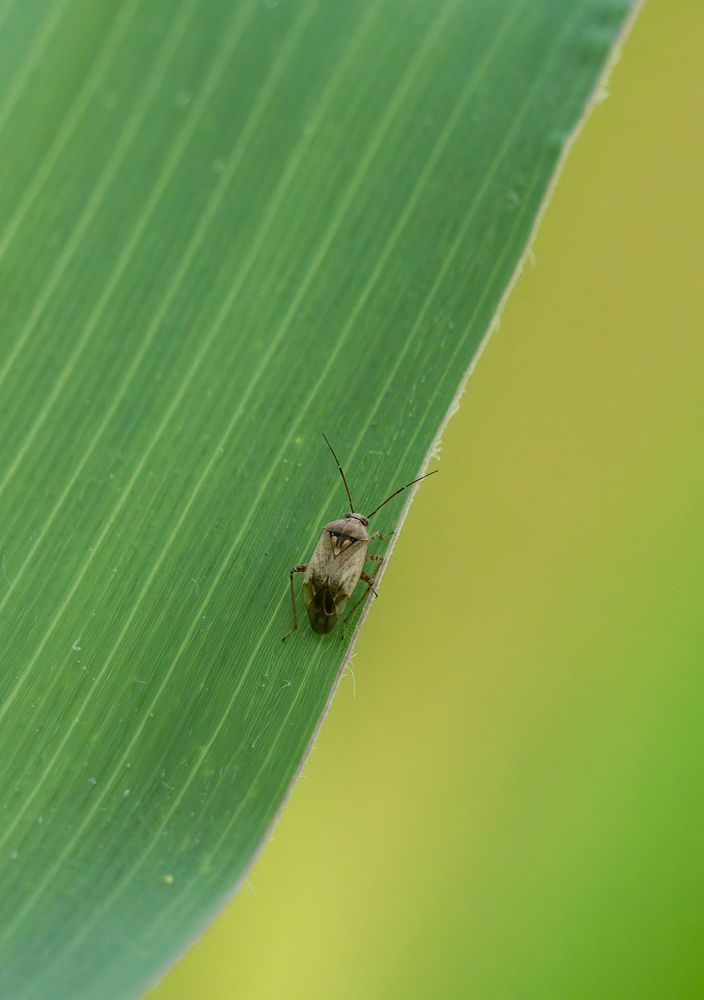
(322, 609)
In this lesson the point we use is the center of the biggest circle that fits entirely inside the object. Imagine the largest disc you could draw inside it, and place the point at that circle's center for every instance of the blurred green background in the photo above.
(511, 805)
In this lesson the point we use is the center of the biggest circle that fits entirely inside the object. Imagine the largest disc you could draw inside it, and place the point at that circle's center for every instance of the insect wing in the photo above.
(330, 579)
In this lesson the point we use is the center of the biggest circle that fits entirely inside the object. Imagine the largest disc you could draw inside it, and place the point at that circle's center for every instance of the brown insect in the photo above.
(337, 563)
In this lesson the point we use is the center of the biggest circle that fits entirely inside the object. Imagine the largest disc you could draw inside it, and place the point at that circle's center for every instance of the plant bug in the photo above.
(337, 563)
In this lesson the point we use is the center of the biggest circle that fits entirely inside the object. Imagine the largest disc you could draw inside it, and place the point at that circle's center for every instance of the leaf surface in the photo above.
(224, 228)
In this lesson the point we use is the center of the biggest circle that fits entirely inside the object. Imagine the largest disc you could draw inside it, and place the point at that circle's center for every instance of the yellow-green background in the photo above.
(513, 803)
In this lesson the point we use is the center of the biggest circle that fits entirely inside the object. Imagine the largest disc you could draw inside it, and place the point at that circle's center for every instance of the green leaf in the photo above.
(224, 228)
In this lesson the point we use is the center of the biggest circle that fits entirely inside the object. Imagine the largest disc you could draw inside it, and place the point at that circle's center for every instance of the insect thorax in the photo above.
(352, 526)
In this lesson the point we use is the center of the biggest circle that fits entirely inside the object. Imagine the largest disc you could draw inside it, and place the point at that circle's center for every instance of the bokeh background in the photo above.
(507, 799)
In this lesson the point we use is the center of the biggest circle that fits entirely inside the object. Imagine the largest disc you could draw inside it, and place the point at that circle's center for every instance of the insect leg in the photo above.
(380, 534)
(296, 569)
(375, 556)
(353, 609)
(370, 583)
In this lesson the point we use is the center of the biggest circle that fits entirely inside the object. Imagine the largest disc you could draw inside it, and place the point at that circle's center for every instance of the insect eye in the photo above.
(348, 514)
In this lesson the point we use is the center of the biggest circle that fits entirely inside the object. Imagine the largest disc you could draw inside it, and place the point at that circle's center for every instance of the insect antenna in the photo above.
(337, 460)
(400, 490)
